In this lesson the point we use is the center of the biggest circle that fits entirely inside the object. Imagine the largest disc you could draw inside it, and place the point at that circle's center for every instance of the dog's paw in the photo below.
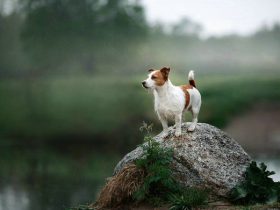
(164, 134)
(177, 133)
(191, 128)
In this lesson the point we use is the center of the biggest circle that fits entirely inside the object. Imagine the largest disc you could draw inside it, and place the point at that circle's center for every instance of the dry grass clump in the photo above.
(120, 188)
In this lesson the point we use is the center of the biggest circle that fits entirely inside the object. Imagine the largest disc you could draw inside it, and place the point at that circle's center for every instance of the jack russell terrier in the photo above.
(171, 101)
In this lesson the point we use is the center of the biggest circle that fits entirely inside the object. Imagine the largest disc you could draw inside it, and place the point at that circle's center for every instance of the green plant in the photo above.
(156, 162)
(159, 185)
(190, 198)
(257, 187)
(81, 207)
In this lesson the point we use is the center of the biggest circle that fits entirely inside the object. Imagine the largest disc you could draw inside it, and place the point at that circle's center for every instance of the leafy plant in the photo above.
(257, 187)
(156, 161)
(82, 207)
(159, 185)
(190, 198)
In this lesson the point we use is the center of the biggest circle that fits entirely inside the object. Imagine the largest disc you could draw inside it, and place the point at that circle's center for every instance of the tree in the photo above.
(57, 32)
(186, 27)
(11, 57)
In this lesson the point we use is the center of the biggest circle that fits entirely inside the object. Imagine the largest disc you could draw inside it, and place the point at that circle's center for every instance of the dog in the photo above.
(171, 101)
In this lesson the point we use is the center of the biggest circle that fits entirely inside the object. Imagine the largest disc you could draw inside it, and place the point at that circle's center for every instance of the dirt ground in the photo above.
(214, 206)
(258, 130)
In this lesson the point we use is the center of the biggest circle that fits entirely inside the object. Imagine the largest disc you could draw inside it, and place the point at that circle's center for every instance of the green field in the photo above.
(108, 109)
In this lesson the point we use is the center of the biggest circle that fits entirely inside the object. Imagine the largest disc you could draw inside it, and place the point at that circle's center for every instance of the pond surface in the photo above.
(44, 179)
(46, 194)
(39, 179)
(273, 164)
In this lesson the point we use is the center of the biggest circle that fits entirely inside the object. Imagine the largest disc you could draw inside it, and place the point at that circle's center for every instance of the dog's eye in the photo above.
(153, 77)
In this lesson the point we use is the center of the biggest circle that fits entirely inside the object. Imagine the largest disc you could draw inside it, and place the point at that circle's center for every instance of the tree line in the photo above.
(49, 37)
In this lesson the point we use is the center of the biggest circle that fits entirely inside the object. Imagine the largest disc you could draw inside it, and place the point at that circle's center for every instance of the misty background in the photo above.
(71, 101)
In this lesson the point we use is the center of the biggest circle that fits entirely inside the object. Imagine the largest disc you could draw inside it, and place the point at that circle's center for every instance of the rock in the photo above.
(207, 157)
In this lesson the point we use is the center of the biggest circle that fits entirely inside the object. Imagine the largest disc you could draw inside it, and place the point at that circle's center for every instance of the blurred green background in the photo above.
(71, 102)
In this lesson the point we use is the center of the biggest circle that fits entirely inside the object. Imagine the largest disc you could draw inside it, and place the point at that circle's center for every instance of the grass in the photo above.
(106, 109)
(189, 199)
(254, 207)
(230, 96)
(120, 188)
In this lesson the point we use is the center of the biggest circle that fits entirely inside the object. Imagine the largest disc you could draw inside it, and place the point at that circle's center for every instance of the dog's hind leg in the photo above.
(195, 111)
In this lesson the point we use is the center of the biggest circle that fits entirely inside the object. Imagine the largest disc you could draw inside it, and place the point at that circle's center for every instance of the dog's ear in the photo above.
(150, 70)
(165, 72)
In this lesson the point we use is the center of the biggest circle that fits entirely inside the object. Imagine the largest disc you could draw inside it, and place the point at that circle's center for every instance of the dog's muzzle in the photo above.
(144, 84)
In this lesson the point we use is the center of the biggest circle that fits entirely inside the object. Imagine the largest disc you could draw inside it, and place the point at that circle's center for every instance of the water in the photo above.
(50, 179)
(46, 194)
(273, 164)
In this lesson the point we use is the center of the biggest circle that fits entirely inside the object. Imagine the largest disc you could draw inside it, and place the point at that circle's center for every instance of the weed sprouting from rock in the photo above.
(159, 184)
(156, 162)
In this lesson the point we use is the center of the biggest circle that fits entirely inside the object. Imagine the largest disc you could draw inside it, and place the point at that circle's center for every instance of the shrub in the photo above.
(257, 187)
(156, 162)
(159, 185)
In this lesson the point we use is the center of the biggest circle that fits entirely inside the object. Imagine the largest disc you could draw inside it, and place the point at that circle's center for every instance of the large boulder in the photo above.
(207, 157)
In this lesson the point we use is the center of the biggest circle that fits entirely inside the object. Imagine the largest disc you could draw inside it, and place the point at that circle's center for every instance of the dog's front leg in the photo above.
(178, 122)
(164, 124)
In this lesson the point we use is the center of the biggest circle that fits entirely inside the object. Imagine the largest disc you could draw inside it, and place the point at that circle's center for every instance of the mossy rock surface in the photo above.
(206, 158)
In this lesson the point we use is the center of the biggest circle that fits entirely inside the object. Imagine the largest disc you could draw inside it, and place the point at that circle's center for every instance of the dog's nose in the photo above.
(144, 84)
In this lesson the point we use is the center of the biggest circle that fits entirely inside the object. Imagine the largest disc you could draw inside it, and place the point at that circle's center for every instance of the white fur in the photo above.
(191, 75)
(170, 103)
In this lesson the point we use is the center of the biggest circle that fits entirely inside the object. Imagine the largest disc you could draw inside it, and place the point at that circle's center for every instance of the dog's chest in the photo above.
(169, 104)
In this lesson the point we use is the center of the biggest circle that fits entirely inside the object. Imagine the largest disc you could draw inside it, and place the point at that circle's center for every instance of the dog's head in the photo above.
(156, 78)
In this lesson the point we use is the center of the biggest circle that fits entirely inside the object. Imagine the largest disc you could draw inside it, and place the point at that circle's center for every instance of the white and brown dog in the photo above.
(171, 101)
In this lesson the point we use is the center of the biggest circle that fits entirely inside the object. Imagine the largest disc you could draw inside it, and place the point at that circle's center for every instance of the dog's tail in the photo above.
(191, 78)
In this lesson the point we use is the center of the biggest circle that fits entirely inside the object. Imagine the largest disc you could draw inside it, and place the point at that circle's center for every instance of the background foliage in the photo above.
(71, 100)
(71, 69)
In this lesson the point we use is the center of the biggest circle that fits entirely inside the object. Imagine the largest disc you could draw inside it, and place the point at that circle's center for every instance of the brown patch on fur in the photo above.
(120, 188)
(161, 76)
(158, 77)
(151, 70)
(192, 82)
(165, 72)
(187, 95)
(186, 87)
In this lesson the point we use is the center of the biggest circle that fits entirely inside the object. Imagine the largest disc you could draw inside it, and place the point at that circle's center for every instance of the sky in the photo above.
(218, 17)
